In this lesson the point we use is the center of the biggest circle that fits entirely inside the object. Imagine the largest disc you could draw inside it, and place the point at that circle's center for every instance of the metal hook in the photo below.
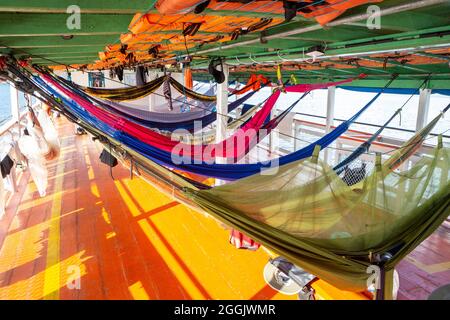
(241, 63)
(250, 57)
(281, 58)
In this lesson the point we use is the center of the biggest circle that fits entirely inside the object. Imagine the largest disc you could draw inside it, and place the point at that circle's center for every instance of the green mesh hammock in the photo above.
(309, 215)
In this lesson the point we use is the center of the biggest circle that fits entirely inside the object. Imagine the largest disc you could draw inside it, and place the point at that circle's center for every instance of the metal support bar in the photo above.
(330, 107)
(424, 105)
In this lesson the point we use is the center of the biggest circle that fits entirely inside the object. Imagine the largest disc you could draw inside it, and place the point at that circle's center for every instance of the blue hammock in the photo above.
(220, 171)
(392, 90)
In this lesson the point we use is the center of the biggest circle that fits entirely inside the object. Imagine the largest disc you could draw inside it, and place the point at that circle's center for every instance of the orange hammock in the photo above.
(253, 83)
(322, 11)
(188, 82)
(154, 22)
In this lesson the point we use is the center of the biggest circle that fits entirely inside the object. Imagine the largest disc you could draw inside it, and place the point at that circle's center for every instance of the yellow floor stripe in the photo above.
(52, 276)
(430, 268)
(138, 291)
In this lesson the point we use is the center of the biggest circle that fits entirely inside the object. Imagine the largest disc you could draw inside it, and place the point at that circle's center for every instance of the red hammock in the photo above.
(233, 147)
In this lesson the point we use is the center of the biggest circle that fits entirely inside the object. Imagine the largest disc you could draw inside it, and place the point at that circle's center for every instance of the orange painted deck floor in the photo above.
(93, 237)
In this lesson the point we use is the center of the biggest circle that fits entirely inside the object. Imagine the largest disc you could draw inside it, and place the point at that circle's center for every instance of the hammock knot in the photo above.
(378, 161)
(440, 144)
(315, 155)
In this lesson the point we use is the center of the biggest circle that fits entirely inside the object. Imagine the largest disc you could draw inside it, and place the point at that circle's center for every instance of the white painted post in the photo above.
(330, 115)
(294, 133)
(330, 108)
(237, 87)
(152, 97)
(222, 110)
(424, 104)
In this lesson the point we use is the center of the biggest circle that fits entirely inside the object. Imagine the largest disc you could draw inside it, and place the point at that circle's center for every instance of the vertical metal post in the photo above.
(152, 97)
(331, 95)
(222, 110)
(424, 104)
(293, 132)
(330, 108)
(237, 87)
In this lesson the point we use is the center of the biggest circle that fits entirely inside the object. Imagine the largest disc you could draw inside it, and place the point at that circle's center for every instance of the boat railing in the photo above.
(10, 132)
(295, 132)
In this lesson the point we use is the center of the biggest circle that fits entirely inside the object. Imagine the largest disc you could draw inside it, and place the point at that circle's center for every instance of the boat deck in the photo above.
(95, 237)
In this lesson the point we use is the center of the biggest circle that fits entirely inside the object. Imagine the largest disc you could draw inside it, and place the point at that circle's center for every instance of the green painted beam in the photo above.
(439, 72)
(58, 41)
(408, 21)
(370, 48)
(366, 44)
(370, 83)
(392, 62)
(66, 57)
(393, 45)
(402, 83)
(86, 6)
(437, 56)
(30, 24)
(60, 53)
(393, 37)
(346, 33)
(61, 49)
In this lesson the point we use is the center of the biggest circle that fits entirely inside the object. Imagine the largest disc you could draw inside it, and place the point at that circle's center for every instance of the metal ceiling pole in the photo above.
(355, 18)
(358, 54)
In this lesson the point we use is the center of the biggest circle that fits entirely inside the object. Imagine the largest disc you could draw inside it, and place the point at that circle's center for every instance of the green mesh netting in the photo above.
(309, 215)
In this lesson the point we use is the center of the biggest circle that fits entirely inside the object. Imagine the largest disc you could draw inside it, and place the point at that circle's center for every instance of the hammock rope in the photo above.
(364, 148)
